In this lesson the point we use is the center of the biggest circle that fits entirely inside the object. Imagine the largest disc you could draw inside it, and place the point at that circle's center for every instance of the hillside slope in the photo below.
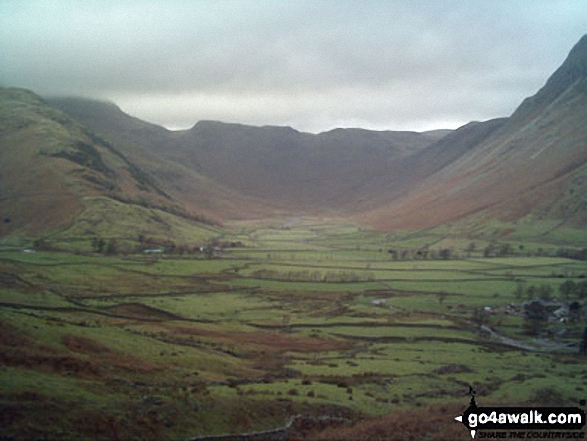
(51, 167)
(151, 147)
(534, 164)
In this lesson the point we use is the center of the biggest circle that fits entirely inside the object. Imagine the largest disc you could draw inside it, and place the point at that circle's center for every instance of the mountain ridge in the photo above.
(543, 142)
(51, 165)
(532, 164)
(275, 164)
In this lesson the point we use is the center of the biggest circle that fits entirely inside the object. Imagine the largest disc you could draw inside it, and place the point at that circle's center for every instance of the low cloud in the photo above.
(311, 65)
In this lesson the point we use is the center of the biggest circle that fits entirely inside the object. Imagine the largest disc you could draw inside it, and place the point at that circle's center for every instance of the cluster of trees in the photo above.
(113, 246)
(573, 254)
(422, 254)
(99, 245)
(491, 250)
(501, 250)
(171, 247)
(537, 314)
(543, 301)
(568, 290)
(505, 250)
(313, 276)
(41, 244)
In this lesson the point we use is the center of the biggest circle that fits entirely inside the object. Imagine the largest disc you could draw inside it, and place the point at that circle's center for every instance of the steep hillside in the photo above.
(154, 149)
(33, 187)
(51, 167)
(533, 165)
(109, 121)
(405, 174)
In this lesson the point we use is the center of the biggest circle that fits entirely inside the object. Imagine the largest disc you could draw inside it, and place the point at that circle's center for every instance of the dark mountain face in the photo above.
(281, 164)
(566, 79)
(107, 119)
(277, 165)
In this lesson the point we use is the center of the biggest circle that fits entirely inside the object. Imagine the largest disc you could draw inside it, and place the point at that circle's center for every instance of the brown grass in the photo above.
(108, 357)
(140, 311)
(270, 341)
(81, 356)
(84, 345)
(433, 423)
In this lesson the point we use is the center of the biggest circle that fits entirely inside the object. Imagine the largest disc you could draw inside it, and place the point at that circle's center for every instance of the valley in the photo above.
(307, 325)
(233, 281)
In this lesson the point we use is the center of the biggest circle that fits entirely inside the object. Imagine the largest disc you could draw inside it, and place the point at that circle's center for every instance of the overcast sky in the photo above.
(313, 65)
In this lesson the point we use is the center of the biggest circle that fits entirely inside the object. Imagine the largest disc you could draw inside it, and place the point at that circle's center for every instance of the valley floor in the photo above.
(303, 328)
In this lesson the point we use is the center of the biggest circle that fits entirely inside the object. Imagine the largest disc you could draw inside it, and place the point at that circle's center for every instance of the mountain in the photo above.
(276, 165)
(58, 154)
(533, 163)
(55, 173)
(147, 146)
(48, 162)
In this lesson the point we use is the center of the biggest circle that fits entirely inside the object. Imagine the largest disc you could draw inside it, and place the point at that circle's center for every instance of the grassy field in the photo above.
(323, 320)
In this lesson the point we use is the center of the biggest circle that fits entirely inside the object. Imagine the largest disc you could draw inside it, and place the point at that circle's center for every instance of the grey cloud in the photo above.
(312, 65)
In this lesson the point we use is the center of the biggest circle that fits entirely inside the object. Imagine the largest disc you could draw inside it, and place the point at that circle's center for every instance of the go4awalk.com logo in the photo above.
(523, 422)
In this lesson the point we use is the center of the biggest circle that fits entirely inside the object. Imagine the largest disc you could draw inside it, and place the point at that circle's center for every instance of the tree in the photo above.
(488, 251)
(479, 317)
(567, 289)
(583, 347)
(582, 289)
(545, 292)
(505, 249)
(445, 253)
(40, 244)
(98, 244)
(422, 253)
(112, 247)
(470, 248)
(441, 297)
(575, 311)
(535, 316)
(519, 292)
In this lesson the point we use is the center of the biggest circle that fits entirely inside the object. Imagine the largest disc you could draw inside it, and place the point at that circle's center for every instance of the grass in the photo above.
(217, 306)
(101, 214)
(183, 345)
(56, 386)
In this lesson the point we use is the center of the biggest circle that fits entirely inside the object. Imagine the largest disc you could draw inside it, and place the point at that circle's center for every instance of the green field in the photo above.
(316, 319)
